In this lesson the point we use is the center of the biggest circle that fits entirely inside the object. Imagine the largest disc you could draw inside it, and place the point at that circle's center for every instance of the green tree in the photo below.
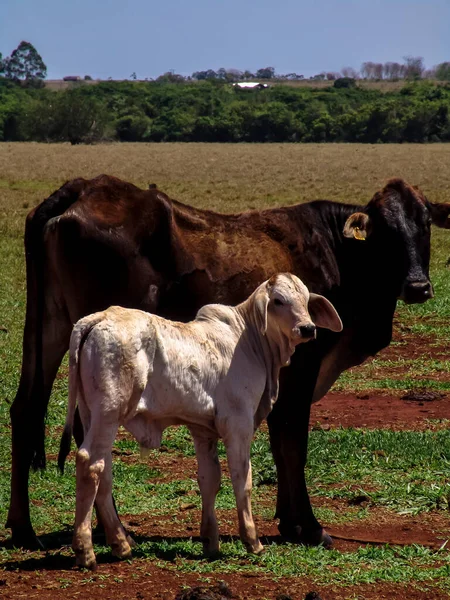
(344, 82)
(25, 63)
(443, 71)
(82, 117)
(133, 128)
(265, 73)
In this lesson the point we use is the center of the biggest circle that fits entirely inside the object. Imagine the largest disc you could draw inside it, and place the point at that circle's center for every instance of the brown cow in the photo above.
(94, 243)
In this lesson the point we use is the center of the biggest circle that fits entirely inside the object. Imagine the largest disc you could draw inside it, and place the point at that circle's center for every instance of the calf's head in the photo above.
(396, 224)
(288, 314)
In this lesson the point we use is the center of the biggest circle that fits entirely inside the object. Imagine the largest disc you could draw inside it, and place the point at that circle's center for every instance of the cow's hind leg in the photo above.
(28, 418)
(209, 482)
(238, 443)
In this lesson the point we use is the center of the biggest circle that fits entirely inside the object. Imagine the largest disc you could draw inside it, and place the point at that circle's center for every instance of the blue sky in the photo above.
(114, 38)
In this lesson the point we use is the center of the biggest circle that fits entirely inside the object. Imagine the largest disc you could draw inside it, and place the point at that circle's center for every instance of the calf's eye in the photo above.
(277, 302)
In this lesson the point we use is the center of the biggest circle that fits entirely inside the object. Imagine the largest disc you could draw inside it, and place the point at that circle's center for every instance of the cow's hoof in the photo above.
(297, 535)
(211, 549)
(25, 538)
(213, 554)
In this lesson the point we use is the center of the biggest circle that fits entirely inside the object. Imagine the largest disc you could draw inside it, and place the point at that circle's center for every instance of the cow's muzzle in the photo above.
(417, 292)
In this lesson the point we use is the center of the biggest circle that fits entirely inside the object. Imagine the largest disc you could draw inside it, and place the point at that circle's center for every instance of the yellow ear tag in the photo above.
(358, 235)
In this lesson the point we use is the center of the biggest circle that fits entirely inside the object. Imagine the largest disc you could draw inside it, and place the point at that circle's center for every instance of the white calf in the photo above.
(217, 374)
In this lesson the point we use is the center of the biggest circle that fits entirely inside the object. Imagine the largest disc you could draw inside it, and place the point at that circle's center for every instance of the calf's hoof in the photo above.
(25, 538)
(297, 535)
(121, 549)
(85, 559)
(255, 548)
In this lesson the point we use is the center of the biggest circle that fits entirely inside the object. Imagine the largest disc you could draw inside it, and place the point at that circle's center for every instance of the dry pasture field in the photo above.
(379, 464)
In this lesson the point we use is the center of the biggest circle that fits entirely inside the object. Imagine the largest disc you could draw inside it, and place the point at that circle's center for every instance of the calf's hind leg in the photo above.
(209, 482)
(93, 465)
(78, 434)
(88, 479)
(115, 533)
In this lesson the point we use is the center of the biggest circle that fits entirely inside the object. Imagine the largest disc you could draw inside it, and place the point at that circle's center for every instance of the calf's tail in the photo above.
(79, 335)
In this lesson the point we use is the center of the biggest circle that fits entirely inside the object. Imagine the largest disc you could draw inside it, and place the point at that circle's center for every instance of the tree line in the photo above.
(214, 111)
(412, 69)
(26, 64)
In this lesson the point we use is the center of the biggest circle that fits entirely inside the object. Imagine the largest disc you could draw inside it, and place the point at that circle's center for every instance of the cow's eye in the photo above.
(277, 302)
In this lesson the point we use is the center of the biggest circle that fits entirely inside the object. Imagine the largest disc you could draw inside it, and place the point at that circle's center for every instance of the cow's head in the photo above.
(396, 223)
(288, 313)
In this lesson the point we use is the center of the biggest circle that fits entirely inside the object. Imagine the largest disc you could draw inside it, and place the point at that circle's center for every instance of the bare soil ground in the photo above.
(376, 411)
(147, 582)
(53, 576)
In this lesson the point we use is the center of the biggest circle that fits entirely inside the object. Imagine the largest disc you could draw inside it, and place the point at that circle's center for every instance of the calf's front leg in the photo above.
(237, 444)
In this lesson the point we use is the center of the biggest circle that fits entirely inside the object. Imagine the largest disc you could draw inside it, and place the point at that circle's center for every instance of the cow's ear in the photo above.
(440, 214)
(260, 307)
(323, 313)
(357, 226)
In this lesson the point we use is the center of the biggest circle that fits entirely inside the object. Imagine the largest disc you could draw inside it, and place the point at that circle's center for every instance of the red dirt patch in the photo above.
(382, 527)
(377, 411)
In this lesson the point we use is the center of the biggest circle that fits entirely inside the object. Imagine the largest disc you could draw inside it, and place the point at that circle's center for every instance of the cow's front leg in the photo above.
(289, 440)
(209, 482)
(237, 444)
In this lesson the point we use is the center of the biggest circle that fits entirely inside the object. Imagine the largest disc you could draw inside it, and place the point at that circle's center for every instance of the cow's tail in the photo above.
(79, 336)
(36, 223)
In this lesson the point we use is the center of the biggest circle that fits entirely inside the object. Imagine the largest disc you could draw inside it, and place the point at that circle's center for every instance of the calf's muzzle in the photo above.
(307, 332)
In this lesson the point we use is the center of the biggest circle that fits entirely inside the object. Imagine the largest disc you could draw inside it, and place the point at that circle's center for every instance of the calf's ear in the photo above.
(440, 214)
(357, 226)
(260, 307)
(323, 313)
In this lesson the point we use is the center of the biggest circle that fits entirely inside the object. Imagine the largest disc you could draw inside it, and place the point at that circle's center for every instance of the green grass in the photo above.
(352, 381)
